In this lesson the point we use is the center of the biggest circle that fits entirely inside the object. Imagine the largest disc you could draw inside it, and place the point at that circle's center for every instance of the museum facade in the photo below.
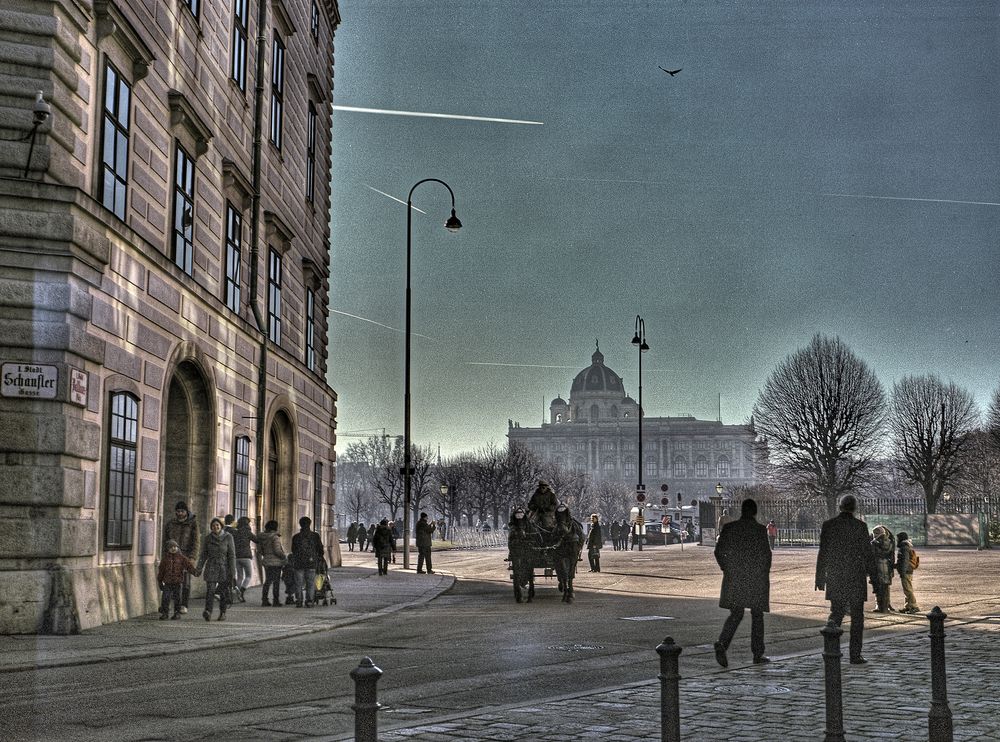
(596, 431)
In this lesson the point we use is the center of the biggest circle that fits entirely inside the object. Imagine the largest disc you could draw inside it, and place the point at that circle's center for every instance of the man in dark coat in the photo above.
(184, 530)
(744, 557)
(845, 560)
(425, 531)
(307, 550)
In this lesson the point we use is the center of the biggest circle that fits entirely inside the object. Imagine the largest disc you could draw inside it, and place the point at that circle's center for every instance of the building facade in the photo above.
(596, 432)
(164, 263)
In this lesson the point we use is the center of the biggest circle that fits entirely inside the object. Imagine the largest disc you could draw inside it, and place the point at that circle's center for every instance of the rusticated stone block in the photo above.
(42, 485)
(43, 535)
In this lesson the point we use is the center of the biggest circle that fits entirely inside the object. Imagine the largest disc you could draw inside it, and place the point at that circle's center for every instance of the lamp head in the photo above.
(453, 224)
(41, 109)
(718, 488)
(635, 339)
(643, 348)
(444, 489)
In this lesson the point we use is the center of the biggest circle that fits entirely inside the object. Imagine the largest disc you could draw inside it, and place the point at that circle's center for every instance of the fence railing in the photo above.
(470, 538)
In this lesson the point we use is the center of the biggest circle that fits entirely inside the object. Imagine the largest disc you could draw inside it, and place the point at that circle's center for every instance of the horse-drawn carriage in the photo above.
(543, 538)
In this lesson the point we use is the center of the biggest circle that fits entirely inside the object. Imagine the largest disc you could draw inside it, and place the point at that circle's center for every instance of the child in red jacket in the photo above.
(170, 575)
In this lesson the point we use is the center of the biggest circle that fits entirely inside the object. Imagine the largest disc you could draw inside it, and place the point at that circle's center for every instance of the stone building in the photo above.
(596, 431)
(164, 253)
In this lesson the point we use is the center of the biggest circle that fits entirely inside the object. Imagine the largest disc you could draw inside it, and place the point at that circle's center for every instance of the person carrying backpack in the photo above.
(907, 561)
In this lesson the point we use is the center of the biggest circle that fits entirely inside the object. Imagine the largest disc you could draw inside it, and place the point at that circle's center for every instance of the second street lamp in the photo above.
(639, 340)
(452, 225)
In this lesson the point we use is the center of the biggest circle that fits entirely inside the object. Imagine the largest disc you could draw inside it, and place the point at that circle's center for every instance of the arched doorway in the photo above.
(279, 488)
(189, 445)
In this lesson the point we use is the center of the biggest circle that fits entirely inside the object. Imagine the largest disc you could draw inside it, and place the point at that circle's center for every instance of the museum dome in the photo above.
(597, 379)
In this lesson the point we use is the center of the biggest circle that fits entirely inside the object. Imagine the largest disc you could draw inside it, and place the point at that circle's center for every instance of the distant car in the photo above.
(654, 533)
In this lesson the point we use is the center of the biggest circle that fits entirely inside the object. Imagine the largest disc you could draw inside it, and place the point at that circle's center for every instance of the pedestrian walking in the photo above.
(595, 540)
(174, 567)
(425, 531)
(744, 556)
(273, 557)
(845, 559)
(243, 536)
(884, 549)
(307, 550)
(772, 533)
(352, 536)
(371, 533)
(395, 534)
(382, 546)
(184, 530)
(906, 562)
(217, 564)
(614, 531)
(362, 536)
(624, 535)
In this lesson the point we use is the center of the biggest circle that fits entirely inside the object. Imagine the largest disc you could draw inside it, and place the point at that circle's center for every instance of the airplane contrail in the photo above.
(397, 200)
(514, 365)
(906, 198)
(389, 112)
(371, 321)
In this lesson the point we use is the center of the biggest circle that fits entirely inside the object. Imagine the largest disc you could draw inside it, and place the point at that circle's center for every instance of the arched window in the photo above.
(614, 411)
(701, 467)
(629, 468)
(680, 467)
(595, 412)
(609, 467)
(722, 467)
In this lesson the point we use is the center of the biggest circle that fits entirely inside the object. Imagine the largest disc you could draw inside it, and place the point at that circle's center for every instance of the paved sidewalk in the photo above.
(888, 698)
(246, 623)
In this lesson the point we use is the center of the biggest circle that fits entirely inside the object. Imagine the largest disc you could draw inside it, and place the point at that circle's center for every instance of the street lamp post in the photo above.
(452, 225)
(444, 500)
(639, 340)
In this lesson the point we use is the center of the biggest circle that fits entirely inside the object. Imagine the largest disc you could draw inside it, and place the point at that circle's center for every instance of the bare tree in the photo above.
(930, 423)
(614, 499)
(980, 476)
(993, 420)
(822, 411)
(570, 486)
(381, 458)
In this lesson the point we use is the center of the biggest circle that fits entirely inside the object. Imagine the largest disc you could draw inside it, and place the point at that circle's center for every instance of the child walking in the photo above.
(170, 575)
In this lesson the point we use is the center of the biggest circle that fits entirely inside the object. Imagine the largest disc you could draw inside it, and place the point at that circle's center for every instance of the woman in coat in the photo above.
(884, 548)
(382, 546)
(242, 538)
(352, 535)
(217, 564)
(272, 555)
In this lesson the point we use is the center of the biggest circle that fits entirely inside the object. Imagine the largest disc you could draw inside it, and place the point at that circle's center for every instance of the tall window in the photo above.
(701, 467)
(651, 468)
(277, 89)
(234, 245)
(184, 210)
(722, 467)
(310, 329)
(314, 22)
(123, 434)
(680, 467)
(629, 469)
(311, 154)
(194, 6)
(317, 496)
(241, 476)
(114, 142)
(274, 296)
(238, 61)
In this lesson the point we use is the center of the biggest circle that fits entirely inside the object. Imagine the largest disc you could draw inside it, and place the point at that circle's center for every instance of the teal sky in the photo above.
(814, 167)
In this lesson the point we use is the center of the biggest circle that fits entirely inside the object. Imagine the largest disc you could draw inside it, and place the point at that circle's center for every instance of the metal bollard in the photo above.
(366, 705)
(670, 697)
(831, 662)
(939, 726)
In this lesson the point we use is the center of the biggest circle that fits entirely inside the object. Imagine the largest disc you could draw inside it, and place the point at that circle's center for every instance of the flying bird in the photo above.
(671, 72)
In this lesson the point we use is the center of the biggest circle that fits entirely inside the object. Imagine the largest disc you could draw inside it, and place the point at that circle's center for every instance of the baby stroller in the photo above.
(324, 590)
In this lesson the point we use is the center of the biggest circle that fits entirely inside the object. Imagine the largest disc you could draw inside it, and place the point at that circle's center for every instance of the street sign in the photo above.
(640, 497)
(664, 500)
(664, 488)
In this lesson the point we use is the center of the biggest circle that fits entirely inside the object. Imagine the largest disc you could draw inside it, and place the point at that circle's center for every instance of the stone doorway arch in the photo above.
(189, 445)
(280, 476)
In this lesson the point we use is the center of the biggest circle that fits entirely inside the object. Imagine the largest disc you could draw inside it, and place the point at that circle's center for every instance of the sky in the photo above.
(814, 167)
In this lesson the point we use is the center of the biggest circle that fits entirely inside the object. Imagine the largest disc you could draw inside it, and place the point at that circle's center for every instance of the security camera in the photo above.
(41, 110)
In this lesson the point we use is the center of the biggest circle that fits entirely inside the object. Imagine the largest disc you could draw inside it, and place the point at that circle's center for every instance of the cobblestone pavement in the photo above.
(889, 698)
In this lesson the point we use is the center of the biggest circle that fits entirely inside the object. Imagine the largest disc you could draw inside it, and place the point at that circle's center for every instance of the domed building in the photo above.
(596, 431)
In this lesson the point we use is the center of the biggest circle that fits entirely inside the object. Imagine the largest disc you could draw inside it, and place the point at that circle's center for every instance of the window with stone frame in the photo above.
(193, 5)
(311, 153)
(652, 468)
(277, 90)
(314, 22)
(701, 467)
(628, 468)
(274, 278)
(722, 467)
(183, 222)
(238, 47)
(115, 134)
(317, 496)
(120, 483)
(241, 476)
(680, 467)
(234, 256)
(310, 338)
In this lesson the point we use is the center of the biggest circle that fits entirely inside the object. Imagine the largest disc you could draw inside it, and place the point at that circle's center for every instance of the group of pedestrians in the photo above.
(622, 534)
(223, 557)
(849, 560)
(382, 538)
